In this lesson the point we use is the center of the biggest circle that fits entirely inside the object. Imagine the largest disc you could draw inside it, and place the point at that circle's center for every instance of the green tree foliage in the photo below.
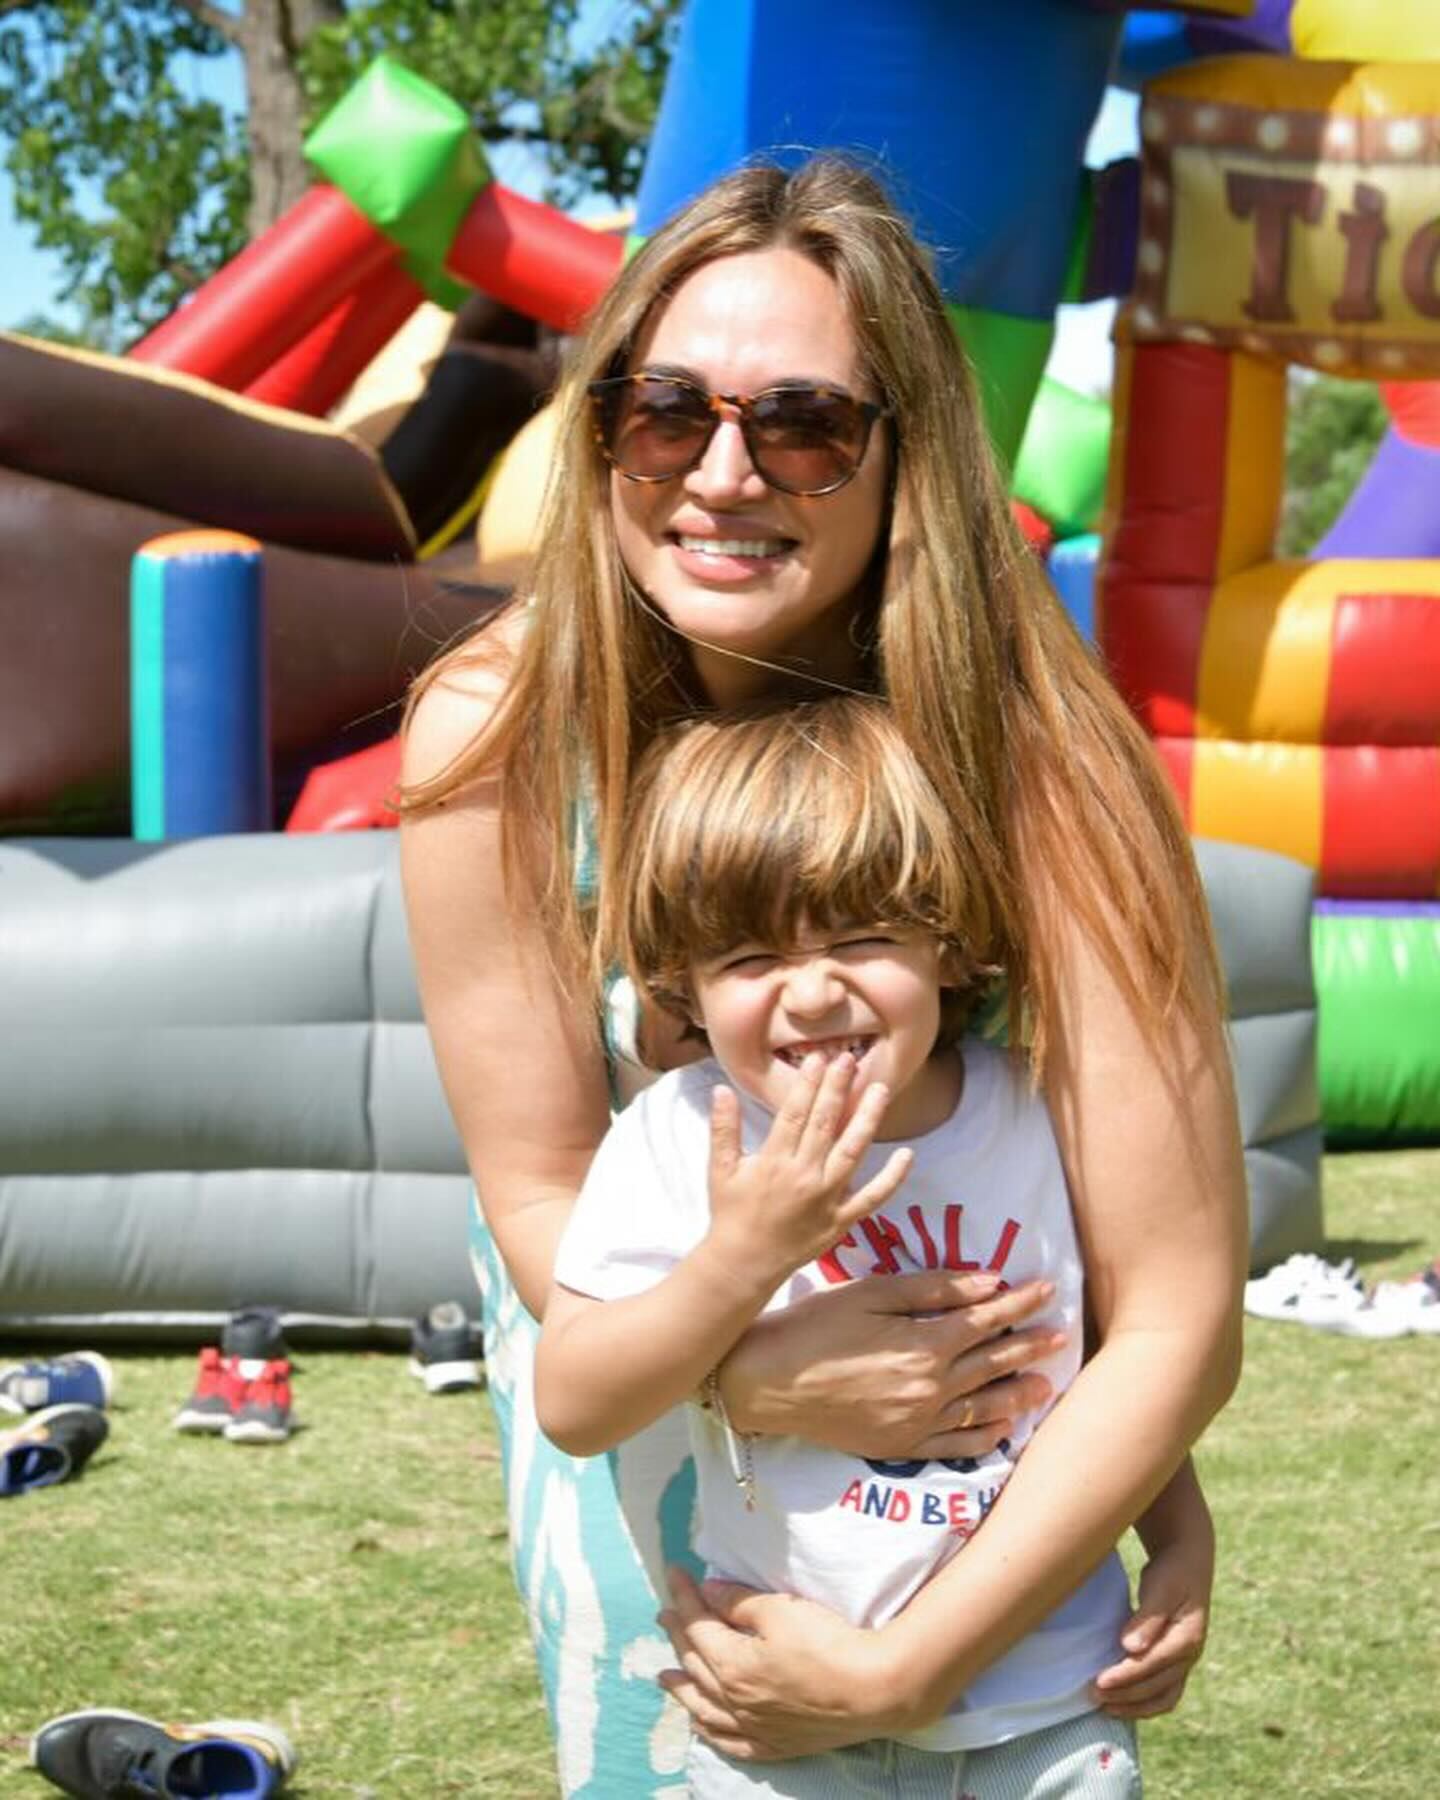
(137, 185)
(144, 187)
(1331, 431)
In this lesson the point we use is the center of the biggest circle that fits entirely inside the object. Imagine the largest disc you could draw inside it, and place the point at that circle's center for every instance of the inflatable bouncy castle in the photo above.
(214, 423)
(1287, 222)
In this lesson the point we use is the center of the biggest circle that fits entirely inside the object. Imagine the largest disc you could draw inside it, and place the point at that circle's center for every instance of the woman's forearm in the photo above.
(1144, 1397)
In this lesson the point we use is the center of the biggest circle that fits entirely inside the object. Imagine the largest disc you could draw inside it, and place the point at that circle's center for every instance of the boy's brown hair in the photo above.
(782, 819)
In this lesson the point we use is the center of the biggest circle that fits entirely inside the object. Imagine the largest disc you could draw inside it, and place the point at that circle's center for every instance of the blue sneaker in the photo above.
(107, 1755)
(50, 1447)
(83, 1379)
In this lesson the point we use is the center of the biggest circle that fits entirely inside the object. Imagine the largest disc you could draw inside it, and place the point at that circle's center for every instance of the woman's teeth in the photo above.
(709, 546)
(795, 1054)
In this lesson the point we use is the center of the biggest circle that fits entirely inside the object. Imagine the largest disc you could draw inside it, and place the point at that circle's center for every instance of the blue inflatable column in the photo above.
(199, 708)
(1072, 570)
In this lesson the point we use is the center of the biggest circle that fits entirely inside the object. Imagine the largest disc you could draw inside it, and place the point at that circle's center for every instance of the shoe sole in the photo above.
(446, 1377)
(255, 1431)
(199, 1424)
(258, 1733)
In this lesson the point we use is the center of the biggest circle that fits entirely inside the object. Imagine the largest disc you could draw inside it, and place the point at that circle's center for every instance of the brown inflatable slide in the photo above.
(98, 455)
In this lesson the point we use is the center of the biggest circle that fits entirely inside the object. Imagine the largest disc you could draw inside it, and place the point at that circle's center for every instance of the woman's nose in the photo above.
(725, 470)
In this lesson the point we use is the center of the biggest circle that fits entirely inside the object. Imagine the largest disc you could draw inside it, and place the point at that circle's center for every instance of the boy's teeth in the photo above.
(795, 1054)
(708, 546)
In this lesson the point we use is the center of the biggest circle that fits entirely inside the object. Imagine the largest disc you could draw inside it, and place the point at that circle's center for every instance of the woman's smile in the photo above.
(729, 552)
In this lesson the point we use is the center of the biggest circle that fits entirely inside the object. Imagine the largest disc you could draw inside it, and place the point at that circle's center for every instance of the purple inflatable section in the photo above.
(1380, 909)
(1395, 511)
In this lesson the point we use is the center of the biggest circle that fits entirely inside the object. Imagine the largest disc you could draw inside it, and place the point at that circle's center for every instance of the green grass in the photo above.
(353, 1585)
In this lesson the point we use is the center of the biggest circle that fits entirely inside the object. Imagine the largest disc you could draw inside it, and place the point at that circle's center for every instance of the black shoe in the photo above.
(442, 1349)
(107, 1755)
(53, 1445)
(253, 1334)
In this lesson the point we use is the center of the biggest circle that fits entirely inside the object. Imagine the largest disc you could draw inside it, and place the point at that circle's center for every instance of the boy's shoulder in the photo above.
(680, 1087)
(997, 1098)
(675, 1102)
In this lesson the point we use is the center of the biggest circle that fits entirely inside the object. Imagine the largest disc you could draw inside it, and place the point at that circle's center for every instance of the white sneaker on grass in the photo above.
(1307, 1290)
(1397, 1308)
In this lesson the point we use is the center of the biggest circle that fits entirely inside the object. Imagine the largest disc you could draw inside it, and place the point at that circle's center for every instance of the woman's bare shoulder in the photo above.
(459, 698)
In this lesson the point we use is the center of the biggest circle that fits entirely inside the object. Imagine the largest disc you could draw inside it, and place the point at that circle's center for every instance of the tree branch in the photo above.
(221, 23)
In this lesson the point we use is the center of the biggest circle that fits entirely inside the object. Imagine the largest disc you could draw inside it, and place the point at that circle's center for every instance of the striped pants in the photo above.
(1089, 1758)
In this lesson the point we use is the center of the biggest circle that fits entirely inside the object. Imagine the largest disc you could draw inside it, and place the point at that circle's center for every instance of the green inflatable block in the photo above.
(404, 153)
(1377, 975)
(1008, 355)
(1063, 458)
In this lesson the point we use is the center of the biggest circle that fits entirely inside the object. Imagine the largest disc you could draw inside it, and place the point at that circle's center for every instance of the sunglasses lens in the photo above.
(654, 428)
(805, 439)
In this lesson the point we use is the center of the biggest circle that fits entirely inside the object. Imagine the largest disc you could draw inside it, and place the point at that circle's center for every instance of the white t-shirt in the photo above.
(986, 1191)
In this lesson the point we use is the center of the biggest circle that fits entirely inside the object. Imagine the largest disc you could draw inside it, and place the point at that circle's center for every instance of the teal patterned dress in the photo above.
(590, 1537)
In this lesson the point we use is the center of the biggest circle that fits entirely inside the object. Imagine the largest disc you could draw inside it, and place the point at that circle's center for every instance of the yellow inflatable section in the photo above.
(1366, 30)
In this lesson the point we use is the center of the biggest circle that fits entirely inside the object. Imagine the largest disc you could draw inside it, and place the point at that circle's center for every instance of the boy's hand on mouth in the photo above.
(776, 1210)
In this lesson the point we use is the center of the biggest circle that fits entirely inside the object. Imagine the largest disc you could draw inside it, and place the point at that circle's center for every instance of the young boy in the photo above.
(791, 887)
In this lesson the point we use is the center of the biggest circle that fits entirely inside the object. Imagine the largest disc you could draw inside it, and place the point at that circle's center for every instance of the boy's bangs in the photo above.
(806, 829)
(785, 878)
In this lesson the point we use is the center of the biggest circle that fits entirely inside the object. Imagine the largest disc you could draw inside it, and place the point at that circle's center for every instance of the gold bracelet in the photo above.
(739, 1445)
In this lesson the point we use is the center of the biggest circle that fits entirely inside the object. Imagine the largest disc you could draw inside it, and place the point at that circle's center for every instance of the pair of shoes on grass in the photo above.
(61, 1405)
(1307, 1290)
(102, 1754)
(442, 1349)
(242, 1385)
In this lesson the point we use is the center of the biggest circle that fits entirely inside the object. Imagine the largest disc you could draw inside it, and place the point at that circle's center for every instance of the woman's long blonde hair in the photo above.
(1054, 793)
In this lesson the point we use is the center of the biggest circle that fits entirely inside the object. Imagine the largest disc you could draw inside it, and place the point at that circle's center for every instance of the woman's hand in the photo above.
(906, 1365)
(765, 1677)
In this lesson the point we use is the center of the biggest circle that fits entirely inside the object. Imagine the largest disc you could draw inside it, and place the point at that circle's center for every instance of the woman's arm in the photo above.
(519, 1059)
(1153, 1158)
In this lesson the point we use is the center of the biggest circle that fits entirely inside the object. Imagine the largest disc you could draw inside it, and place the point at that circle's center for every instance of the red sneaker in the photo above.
(219, 1391)
(263, 1417)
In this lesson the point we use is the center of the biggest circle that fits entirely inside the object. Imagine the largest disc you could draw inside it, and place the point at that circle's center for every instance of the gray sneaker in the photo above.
(253, 1334)
(442, 1349)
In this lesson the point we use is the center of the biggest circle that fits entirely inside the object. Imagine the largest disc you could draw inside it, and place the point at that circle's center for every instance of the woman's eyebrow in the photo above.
(675, 372)
(678, 372)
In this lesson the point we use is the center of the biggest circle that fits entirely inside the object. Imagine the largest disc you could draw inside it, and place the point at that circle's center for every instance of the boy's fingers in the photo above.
(877, 1190)
(1143, 1632)
(829, 1107)
(860, 1132)
(880, 1187)
(794, 1114)
(724, 1132)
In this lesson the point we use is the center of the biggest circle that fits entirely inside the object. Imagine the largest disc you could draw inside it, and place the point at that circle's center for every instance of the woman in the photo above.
(780, 482)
